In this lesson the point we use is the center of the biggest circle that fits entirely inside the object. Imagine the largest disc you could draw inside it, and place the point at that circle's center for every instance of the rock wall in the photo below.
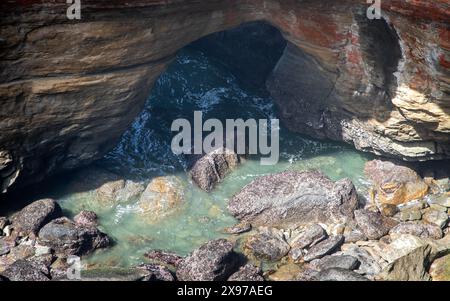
(70, 88)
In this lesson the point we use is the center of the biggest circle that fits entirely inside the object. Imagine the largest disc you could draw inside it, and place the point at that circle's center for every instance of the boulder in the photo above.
(373, 224)
(24, 270)
(214, 261)
(291, 199)
(68, 238)
(86, 218)
(335, 261)
(418, 229)
(338, 274)
(247, 273)
(323, 248)
(268, 244)
(113, 192)
(440, 269)
(163, 197)
(394, 184)
(212, 168)
(34, 216)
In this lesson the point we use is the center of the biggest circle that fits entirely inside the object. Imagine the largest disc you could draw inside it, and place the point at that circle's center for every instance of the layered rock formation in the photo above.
(70, 88)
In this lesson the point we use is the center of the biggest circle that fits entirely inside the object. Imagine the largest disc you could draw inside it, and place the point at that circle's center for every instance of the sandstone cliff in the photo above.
(70, 88)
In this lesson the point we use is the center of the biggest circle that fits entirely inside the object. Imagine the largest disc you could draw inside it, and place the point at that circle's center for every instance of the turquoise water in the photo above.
(196, 82)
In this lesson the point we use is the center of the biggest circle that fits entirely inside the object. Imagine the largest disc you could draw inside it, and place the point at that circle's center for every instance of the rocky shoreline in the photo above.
(294, 226)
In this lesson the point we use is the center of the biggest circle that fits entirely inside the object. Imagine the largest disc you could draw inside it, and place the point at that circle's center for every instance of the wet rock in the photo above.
(311, 236)
(118, 191)
(214, 261)
(268, 244)
(335, 261)
(164, 258)
(440, 269)
(212, 168)
(247, 273)
(23, 270)
(394, 184)
(34, 216)
(410, 267)
(435, 217)
(112, 274)
(373, 224)
(418, 229)
(367, 264)
(286, 272)
(86, 218)
(338, 274)
(65, 237)
(239, 228)
(294, 199)
(323, 248)
(156, 273)
(162, 197)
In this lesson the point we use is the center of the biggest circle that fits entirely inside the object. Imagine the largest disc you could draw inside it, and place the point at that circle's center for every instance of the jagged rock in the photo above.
(294, 198)
(247, 273)
(3, 223)
(338, 274)
(34, 216)
(335, 261)
(435, 217)
(214, 261)
(163, 197)
(323, 248)
(65, 237)
(410, 267)
(86, 218)
(212, 168)
(163, 257)
(395, 184)
(23, 270)
(373, 224)
(440, 269)
(367, 264)
(311, 236)
(268, 244)
(418, 229)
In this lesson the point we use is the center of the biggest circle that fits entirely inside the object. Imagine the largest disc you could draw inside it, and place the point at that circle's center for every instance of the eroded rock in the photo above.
(395, 184)
(268, 244)
(68, 238)
(373, 224)
(34, 216)
(214, 261)
(294, 198)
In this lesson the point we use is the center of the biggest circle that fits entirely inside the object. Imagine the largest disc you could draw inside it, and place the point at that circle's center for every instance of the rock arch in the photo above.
(70, 88)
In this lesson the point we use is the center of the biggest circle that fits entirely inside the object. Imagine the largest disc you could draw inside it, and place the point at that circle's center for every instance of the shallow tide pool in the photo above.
(196, 82)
